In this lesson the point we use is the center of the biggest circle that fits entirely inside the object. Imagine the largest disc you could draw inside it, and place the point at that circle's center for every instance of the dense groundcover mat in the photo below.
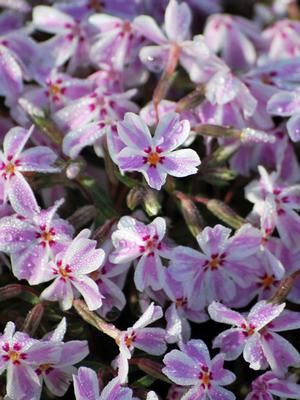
(149, 200)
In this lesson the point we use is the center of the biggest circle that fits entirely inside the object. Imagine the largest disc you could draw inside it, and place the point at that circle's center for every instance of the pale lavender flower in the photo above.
(56, 91)
(182, 310)
(20, 355)
(69, 270)
(286, 104)
(71, 40)
(275, 203)
(175, 45)
(58, 376)
(283, 38)
(91, 117)
(223, 265)
(32, 238)
(255, 335)
(268, 385)
(86, 386)
(14, 161)
(154, 156)
(117, 44)
(150, 340)
(134, 240)
(17, 52)
(110, 279)
(192, 366)
(236, 38)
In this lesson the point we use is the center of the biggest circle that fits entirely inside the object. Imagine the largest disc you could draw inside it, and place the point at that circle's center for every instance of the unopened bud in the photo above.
(145, 197)
(10, 291)
(191, 100)
(225, 213)
(73, 170)
(82, 216)
(150, 367)
(33, 319)
(249, 135)
(191, 215)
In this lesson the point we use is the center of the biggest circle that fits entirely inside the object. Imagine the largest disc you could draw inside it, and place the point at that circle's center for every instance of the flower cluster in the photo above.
(149, 192)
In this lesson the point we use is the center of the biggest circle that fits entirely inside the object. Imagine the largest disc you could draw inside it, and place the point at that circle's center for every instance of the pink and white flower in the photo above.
(154, 156)
(135, 241)
(192, 367)
(69, 270)
(255, 335)
(19, 356)
(15, 161)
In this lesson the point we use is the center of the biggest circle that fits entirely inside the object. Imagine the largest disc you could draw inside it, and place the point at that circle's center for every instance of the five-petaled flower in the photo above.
(70, 270)
(191, 366)
(154, 156)
(255, 335)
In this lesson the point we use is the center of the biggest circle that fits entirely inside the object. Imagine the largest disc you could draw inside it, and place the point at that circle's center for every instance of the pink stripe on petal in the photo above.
(21, 196)
(181, 163)
(39, 158)
(89, 291)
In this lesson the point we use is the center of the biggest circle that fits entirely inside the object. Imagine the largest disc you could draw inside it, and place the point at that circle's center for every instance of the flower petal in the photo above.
(263, 313)
(134, 132)
(21, 196)
(170, 132)
(89, 290)
(220, 313)
(181, 369)
(86, 384)
(181, 163)
(178, 18)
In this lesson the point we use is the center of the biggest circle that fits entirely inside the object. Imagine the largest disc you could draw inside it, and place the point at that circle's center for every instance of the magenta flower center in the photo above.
(44, 368)
(205, 377)
(96, 5)
(266, 281)
(153, 157)
(63, 271)
(150, 244)
(9, 168)
(129, 339)
(46, 236)
(13, 354)
(216, 261)
(181, 302)
(248, 330)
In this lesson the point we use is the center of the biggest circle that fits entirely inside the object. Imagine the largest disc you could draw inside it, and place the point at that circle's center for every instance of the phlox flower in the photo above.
(134, 240)
(56, 91)
(90, 118)
(71, 40)
(255, 335)
(69, 270)
(154, 156)
(192, 366)
(117, 44)
(110, 279)
(286, 104)
(58, 376)
(173, 46)
(182, 309)
(32, 237)
(275, 203)
(15, 161)
(223, 265)
(19, 356)
(139, 336)
(236, 38)
(283, 39)
(269, 384)
(17, 52)
(86, 386)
